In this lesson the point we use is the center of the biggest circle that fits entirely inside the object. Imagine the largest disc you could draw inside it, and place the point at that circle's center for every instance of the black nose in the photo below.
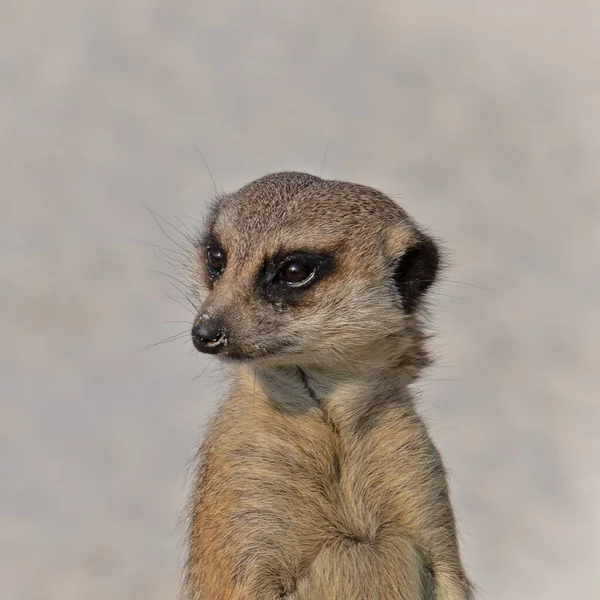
(208, 335)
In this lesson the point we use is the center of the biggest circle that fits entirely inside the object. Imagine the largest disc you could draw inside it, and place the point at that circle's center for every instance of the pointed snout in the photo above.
(209, 335)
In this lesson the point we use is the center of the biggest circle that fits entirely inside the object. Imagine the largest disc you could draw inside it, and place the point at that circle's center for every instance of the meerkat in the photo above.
(317, 479)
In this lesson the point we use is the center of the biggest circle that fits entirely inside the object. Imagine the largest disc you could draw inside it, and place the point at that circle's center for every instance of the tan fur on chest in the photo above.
(289, 499)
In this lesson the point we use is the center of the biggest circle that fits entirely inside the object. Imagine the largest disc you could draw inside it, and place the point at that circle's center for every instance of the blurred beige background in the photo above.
(481, 117)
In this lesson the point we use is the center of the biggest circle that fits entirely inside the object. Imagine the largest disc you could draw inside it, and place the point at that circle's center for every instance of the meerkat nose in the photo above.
(208, 335)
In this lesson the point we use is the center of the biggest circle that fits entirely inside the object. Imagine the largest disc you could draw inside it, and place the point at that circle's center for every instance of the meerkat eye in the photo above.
(297, 273)
(285, 277)
(215, 257)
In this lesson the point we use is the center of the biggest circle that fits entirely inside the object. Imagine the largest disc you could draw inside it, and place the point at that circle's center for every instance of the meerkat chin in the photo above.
(317, 479)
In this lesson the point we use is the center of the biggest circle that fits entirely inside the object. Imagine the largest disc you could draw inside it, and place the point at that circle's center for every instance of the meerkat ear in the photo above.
(415, 270)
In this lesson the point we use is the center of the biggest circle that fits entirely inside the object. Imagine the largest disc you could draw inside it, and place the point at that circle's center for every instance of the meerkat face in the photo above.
(294, 269)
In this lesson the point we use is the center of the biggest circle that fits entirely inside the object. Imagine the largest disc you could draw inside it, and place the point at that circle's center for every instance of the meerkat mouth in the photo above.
(260, 354)
(220, 341)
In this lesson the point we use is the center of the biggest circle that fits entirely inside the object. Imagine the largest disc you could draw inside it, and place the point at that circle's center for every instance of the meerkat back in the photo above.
(317, 479)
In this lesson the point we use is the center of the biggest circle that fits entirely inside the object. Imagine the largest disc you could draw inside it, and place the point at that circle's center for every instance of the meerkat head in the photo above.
(293, 269)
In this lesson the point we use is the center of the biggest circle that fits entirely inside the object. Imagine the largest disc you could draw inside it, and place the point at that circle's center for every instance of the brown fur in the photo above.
(317, 478)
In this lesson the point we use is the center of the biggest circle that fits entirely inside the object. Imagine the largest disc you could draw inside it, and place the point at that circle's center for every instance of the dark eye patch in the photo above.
(285, 277)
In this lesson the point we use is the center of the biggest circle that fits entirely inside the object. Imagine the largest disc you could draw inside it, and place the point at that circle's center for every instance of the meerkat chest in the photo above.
(277, 489)
(300, 469)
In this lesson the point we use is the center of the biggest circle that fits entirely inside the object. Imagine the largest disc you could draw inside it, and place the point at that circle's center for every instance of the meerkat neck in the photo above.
(346, 397)
(344, 394)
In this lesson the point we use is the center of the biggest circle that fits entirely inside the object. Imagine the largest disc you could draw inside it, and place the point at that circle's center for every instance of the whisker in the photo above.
(210, 362)
(161, 248)
(189, 234)
(157, 219)
(451, 296)
(324, 161)
(194, 219)
(208, 169)
(185, 296)
(171, 338)
(473, 285)
(444, 280)
(175, 264)
(184, 283)
(175, 299)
